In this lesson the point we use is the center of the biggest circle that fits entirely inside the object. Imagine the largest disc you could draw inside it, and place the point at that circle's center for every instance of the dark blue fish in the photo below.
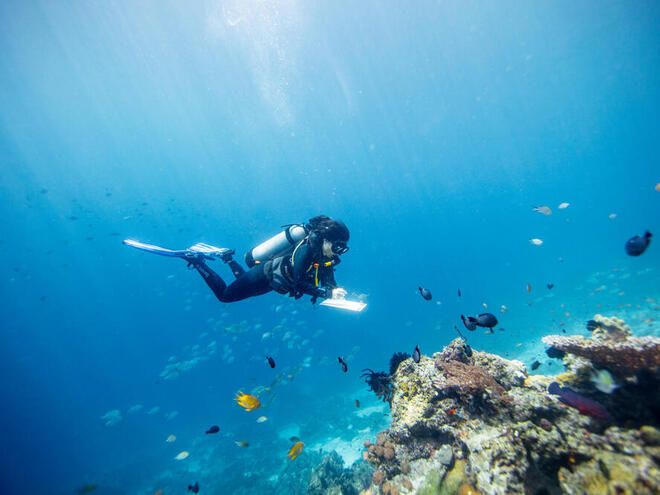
(486, 320)
(592, 325)
(459, 292)
(271, 361)
(555, 353)
(468, 350)
(638, 244)
(416, 354)
(550, 286)
(426, 294)
(344, 366)
(586, 406)
(194, 488)
(535, 365)
(213, 429)
(469, 322)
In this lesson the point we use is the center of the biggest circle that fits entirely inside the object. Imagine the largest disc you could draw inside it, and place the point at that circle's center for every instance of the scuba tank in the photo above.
(276, 245)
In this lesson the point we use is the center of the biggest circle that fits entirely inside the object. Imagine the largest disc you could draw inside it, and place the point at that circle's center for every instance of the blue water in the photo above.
(431, 129)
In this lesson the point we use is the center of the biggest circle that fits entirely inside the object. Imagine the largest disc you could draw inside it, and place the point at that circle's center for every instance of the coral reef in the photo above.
(481, 424)
(330, 477)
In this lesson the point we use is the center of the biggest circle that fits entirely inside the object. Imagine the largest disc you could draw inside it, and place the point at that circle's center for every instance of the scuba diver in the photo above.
(298, 261)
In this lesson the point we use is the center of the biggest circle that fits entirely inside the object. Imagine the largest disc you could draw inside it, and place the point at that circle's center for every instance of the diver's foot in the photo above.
(193, 259)
(227, 255)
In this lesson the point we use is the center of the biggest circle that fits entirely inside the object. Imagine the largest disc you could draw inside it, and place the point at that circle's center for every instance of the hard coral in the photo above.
(627, 357)
(611, 328)
(459, 379)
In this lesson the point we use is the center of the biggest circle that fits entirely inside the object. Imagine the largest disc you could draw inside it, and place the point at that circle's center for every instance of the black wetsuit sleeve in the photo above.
(328, 277)
(301, 261)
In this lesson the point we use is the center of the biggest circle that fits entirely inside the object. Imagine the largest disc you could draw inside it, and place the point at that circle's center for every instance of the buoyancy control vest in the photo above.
(278, 245)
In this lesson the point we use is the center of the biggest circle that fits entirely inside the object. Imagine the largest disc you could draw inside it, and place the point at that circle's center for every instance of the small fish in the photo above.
(344, 366)
(535, 365)
(536, 242)
(170, 439)
(357, 403)
(194, 488)
(604, 381)
(159, 492)
(638, 244)
(592, 325)
(271, 361)
(586, 406)
(426, 294)
(611, 216)
(294, 439)
(529, 288)
(467, 349)
(242, 444)
(295, 451)
(261, 419)
(563, 206)
(544, 210)
(486, 320)
(555, 353)
(469, 322)
(213, 429)
(459, 292)
(86, 489)
(182, 455)
(247, 402)
(550, 286)
(416, 355)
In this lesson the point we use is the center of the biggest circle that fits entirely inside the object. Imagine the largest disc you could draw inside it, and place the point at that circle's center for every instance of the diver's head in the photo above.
(334, 233)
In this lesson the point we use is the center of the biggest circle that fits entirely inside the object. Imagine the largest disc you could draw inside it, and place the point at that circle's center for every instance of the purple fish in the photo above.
(586, 406)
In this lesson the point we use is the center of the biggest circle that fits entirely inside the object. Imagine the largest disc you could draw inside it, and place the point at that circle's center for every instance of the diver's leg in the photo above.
(236, 269)
(212, 279)
(251, 283)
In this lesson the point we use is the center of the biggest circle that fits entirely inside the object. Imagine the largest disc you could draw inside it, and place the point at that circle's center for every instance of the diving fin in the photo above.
(206, 250)
(342, 303)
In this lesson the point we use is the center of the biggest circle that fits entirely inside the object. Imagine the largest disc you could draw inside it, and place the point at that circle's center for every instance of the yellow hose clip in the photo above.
(316, 274)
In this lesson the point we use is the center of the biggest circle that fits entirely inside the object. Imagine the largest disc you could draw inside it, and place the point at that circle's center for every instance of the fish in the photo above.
(611, 216)
(426, 294)
(536, 242)
(247, 402)
(550, 286)
(535, 365)
(213, 429)
(261, 419)
(182, 455)
(604, 381)
(469, 322)
(459, 292)
(657, 187)
(555, 353)
(544, 210)
(159, 492)
(242, 444)
(467, 349)
(636, 246)
(487, 320)
(584, 405)
(529, 288)
(344, 366)
(170, 439)
(194, 488)
(294, 439)
(357, 403)
(86, 489)
(563, 206)
(295, 451)
(592, 325)
(416, 355)
(271, 361)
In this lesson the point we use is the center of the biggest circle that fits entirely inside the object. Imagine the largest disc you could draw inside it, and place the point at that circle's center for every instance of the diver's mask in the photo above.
(339, 247)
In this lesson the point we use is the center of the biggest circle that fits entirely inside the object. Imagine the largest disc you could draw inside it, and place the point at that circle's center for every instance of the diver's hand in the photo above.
(338, 293)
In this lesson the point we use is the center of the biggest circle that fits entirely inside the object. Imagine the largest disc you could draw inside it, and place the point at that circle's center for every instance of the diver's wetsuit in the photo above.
(277, 274)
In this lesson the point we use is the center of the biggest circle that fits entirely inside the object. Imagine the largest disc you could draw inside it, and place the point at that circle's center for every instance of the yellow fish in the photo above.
(295, 450)
(182, 455)
(170, 439)
(248, 402)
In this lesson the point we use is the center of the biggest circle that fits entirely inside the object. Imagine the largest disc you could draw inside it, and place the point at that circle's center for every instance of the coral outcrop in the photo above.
(330, 477)
(612, 347)
(481, 424)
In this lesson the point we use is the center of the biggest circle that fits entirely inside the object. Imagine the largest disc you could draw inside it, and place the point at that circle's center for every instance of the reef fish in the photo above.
(426, 294)
(344, 366)
(469, 322)
(294, 439)
(544, 210)
(170, 439)
(261, 419)
(563, 205)
(242, 444)
(271, 361)
(536, 242)
(182, 455)
(638, 244)
(604, 381)
(529, 288)
(550, 286)
(592, 325)
(416, 354)
(357, 403)
(486, 320)
(86, 489)
(535, 365)
(459, 292)
(213, 429)
(246, 401)
(586, 406)
(555, 353)
(194, 488)
(295, 450)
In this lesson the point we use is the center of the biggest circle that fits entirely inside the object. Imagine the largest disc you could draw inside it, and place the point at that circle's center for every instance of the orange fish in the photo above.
(295, 450)
(159, 492)
(451, 412)
(248, 402)
(529, 288)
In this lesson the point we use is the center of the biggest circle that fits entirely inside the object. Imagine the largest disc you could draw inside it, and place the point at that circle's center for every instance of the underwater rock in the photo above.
(483, 423)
